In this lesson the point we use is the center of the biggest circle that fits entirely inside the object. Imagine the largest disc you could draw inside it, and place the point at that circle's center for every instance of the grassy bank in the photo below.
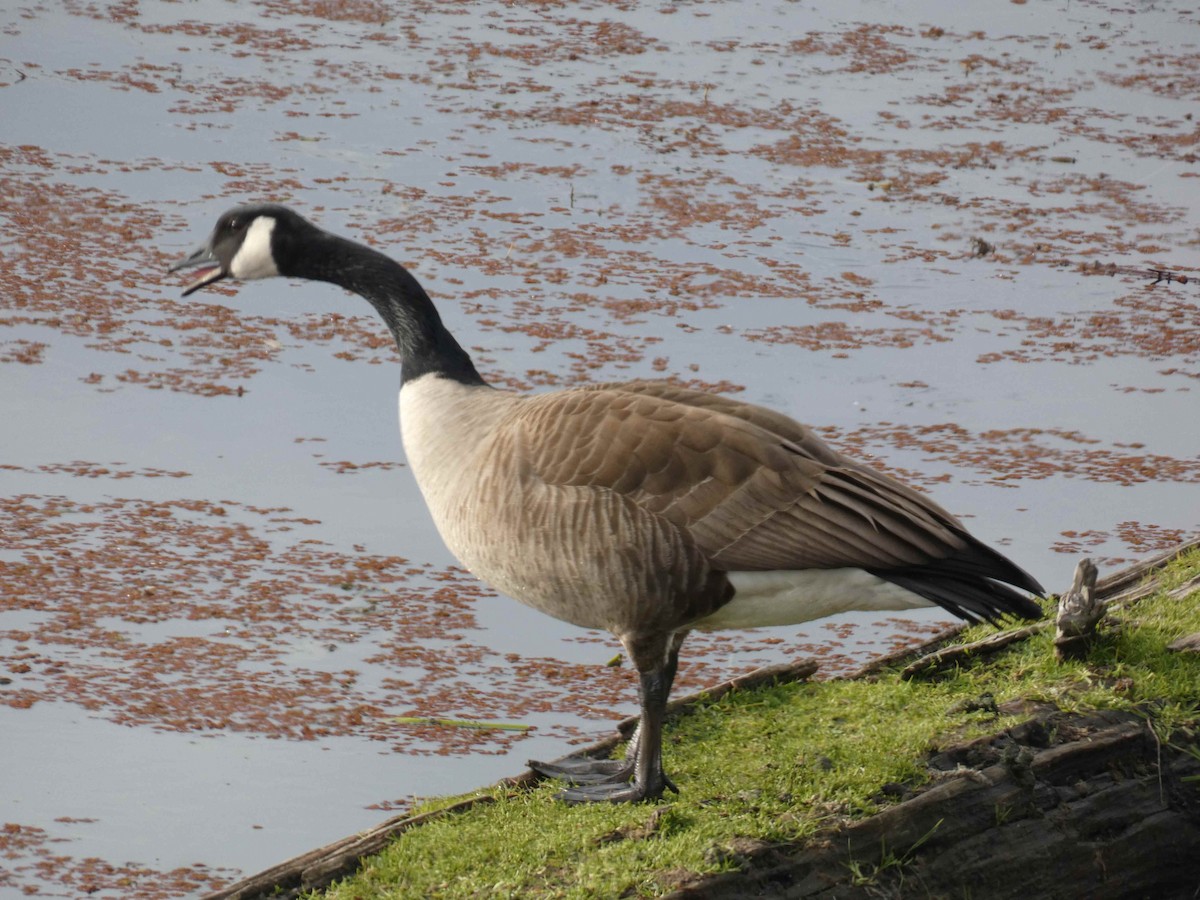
(782, 763)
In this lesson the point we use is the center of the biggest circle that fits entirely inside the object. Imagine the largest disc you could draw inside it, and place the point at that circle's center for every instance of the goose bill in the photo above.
(208, 266)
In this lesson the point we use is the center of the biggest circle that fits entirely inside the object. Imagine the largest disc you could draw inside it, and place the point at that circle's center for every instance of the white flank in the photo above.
(789, 598)
(254, 259)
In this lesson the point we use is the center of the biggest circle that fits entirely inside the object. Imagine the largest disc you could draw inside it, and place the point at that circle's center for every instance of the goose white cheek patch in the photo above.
(254, 259)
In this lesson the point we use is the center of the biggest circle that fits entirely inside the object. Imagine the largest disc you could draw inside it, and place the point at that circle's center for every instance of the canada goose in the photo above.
(643, 509)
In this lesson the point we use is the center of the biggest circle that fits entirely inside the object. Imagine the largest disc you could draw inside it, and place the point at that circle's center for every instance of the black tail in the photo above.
(976, 584)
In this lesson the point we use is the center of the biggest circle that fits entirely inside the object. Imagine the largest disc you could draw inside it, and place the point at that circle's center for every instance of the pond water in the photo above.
(931, 232)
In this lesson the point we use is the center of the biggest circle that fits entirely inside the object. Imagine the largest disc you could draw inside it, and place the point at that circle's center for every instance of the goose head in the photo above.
(264, 240)
(248, 242)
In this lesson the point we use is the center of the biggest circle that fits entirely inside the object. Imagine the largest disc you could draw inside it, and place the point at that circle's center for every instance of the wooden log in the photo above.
(1078, 818)
(1187, 644)
(1079, 612)
(1131, 584)
(960, 654)
(1119, 589)
(319, 868)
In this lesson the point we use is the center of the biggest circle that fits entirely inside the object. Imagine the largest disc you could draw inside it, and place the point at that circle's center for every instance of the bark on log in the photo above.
(1079, 612)
(1102, 811)
(1119, 589)
(1188, 644)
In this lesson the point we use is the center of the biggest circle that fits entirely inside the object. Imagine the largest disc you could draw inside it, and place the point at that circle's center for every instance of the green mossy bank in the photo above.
(769, 773)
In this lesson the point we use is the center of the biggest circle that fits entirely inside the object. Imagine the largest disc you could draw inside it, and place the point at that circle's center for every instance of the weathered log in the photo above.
(1021, 814)
(1119, 589)
(1079, 612)
(319, 868)
(959, 654)
(1131, 584)
(1187, 644)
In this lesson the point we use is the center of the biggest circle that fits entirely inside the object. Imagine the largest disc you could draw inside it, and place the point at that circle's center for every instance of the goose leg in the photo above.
(585, 770)
(649, 779)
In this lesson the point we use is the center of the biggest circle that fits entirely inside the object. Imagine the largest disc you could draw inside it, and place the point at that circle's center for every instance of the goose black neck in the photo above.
(425, 346)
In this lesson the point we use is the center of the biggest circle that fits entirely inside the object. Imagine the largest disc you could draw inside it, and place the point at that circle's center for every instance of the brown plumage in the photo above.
(644, 508)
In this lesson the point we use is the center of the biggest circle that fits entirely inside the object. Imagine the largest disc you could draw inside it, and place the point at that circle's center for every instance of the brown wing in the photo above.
(753, 489)
(774, 422)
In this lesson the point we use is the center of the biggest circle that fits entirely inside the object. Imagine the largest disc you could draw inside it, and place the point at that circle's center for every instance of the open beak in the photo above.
(209, 266)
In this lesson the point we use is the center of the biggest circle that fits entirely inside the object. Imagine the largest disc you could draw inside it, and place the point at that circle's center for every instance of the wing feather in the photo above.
(751, 488)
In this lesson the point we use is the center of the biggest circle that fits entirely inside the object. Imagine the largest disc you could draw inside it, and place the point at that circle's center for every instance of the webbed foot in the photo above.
(621, 792)
(583, 770)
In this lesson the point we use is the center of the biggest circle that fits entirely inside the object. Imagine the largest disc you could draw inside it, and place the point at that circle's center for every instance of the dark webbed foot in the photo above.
(621, 792)
(640, 775)
(582, 770)
(585, 770)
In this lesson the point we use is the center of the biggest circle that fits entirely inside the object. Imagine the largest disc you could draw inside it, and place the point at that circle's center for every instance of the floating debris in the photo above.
(461, 723)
